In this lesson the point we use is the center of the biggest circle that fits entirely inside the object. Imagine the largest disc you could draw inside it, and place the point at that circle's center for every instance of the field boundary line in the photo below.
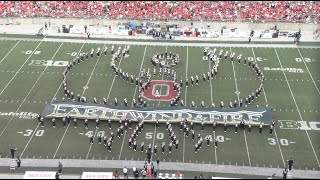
(265, 97)
(309, 71)
(134, 94)
(154, 139)
(244, 132)
(28, 95)
(84, 90)
(55, 97)
(9, 52)
(297, 107)
(20, 68)
(176, 43)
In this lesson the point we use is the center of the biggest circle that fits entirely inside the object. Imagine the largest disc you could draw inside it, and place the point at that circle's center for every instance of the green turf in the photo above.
(34, 85)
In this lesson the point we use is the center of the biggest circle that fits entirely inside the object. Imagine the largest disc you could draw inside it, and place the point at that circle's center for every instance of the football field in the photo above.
(31, 76)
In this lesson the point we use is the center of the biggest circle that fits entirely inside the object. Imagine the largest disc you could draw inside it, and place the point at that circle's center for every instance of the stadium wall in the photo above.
(215, 25)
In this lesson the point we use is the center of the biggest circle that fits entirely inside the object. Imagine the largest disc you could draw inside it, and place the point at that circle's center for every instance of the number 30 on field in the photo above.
(30, 131)
(283, 142)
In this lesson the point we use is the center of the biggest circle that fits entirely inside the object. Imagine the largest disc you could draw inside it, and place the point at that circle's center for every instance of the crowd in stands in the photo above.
(186, 10)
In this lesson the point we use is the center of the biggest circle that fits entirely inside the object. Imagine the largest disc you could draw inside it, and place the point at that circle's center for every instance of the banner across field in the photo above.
(151, 114)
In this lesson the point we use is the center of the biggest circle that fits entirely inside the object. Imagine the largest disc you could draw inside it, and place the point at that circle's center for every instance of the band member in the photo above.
(115, 101)
(192, 134)
(54, 123)
(177, 141)
(202, 125)
(271, 128)
(225, 127)
(260, 128)
(216, 143)
(208, 141)
(236, 128)
(249, 128)
(91, 139)
(170, 147)
(99, 137)
(163, 146)
(214, 125)
(155, 148)
(142, 146)
(75, 123)
(135, 145)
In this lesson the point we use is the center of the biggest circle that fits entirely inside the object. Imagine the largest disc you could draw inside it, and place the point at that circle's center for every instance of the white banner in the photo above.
(97, 175)
(40, 175)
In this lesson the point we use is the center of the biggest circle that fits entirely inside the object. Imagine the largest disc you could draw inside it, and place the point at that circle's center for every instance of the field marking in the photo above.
(244, 132)
(114, 79)
(185, 103)
(275, 132)
(162, 80)
(20, 69)
(35, 130)
(55, 97)
(215, 149)
(30, 89)
(308, 71)
(134, 94)
(94, 68)
(84, 90)
(297, 107)
(9, 52)
(154, 138)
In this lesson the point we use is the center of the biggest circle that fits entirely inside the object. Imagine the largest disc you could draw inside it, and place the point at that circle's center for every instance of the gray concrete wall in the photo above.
(216, 25)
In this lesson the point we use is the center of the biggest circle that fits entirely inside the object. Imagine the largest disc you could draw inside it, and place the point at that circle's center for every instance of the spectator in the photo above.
(57, 175)
(60, 168)
(144, 173)
(155, 174)
(125, 173)
(18, 163)
(116, 175)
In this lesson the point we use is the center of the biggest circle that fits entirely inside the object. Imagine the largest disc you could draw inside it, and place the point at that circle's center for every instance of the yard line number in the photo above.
(283, 142)
(29, 132)
(219, 138)
(149, 135)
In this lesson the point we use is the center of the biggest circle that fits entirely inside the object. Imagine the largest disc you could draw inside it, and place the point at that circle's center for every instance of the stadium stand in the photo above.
(285, 11)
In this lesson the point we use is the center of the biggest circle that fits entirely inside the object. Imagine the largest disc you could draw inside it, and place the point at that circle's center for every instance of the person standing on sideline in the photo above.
(125, 173)
(60, 168)
(13, 150)
(290, 162)
(45, 26)
(88, 34)
(249, 39)
(285, 172)
(18, 163)
(85, 28)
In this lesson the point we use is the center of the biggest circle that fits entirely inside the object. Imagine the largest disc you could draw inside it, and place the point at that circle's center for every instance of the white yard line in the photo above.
(26, 98)
(134, 94)
(144, 54)
(215, 149)
(154, 138)
(244, 133)
(95, 133)
(94, 68)
(185, 103)
(309, 71)
(162, 78)
(275, 132)
(20, 69)
(113, 80)
(297, 107)
(70, 123)
(9, 52)
(84, 90)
